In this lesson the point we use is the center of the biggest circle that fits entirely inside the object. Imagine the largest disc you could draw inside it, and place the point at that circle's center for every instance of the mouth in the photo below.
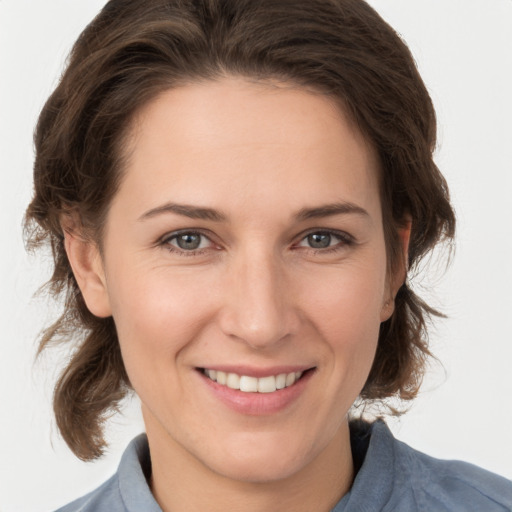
(250, 384)
(257, 392)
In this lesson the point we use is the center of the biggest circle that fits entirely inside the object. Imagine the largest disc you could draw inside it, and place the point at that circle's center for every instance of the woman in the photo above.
(234, 192)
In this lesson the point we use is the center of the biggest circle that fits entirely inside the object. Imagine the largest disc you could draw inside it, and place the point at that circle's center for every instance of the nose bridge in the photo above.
(257, 306)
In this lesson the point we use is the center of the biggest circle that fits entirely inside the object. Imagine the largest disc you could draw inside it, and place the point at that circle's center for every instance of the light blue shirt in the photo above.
(392, 478)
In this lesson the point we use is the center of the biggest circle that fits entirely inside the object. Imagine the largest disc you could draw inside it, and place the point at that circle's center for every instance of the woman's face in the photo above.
(245, 242)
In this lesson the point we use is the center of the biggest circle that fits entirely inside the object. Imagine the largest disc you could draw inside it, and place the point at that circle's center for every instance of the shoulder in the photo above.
(127, 490)
(393, 477)
(449, 485)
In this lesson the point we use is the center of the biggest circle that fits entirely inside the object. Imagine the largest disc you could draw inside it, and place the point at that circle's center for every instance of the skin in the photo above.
(254, 294)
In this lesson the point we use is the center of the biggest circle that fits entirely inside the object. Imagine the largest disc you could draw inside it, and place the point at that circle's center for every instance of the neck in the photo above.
(182, 483)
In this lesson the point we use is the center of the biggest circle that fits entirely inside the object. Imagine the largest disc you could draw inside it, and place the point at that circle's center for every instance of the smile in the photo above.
(249, 384)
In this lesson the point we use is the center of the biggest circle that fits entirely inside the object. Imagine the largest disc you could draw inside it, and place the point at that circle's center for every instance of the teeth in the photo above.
(267, 384)
(281, 381)
(253, 384)
(248, 384)
(233, 381)
(290, 379)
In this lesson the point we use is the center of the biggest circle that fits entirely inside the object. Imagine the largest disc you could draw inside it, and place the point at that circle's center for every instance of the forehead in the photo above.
(264, 142)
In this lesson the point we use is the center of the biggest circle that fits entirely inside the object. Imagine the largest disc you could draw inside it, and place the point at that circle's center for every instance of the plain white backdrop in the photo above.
(464, 51)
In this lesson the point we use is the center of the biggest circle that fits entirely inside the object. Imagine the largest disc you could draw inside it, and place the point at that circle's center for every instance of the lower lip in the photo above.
(258, 404)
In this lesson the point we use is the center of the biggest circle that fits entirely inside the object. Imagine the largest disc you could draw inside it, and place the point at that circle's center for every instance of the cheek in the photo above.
(346, 311)
(347, 299)
(157, 315)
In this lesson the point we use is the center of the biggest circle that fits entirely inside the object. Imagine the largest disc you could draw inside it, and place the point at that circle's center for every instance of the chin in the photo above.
(252, 459)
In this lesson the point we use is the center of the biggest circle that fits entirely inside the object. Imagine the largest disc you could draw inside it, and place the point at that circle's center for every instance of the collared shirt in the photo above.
(391, 477)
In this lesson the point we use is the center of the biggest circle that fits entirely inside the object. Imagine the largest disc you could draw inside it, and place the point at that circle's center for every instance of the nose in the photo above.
(258, 307)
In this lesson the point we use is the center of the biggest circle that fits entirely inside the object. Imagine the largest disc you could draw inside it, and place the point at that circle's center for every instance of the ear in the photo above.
(87, 265)
(397, 279)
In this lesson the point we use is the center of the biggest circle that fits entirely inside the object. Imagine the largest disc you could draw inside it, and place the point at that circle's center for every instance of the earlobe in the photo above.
(404, 233)
(387, 310)
(86, 263)
(400, 272)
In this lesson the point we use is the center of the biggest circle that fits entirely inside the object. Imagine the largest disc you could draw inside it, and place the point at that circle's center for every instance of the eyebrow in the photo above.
(197, 212)
(193, 212)
(330, 210)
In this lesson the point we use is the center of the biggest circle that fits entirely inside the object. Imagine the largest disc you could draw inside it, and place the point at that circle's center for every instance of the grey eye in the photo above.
(319, 240)
(188, 241)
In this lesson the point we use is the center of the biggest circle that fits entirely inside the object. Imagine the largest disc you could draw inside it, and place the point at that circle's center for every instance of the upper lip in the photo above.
(258, 372)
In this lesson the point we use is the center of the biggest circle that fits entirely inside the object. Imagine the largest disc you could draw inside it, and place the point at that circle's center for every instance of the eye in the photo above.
(187, 241)
(325, 240)
(319, 240)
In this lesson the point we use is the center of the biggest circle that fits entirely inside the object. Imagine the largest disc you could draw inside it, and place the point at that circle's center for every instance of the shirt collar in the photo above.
(372, 446)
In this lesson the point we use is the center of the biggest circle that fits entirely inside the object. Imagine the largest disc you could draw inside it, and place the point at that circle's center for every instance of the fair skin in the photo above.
(246, 238)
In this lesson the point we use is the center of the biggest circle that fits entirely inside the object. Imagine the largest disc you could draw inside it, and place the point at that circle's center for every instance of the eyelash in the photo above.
(345, 240)
(182, 252)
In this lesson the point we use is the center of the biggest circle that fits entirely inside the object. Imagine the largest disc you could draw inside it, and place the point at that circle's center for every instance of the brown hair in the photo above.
(135, 49)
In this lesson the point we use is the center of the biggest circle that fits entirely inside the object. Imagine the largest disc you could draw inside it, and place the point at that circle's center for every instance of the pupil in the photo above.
(319, 240)
(189, 241)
